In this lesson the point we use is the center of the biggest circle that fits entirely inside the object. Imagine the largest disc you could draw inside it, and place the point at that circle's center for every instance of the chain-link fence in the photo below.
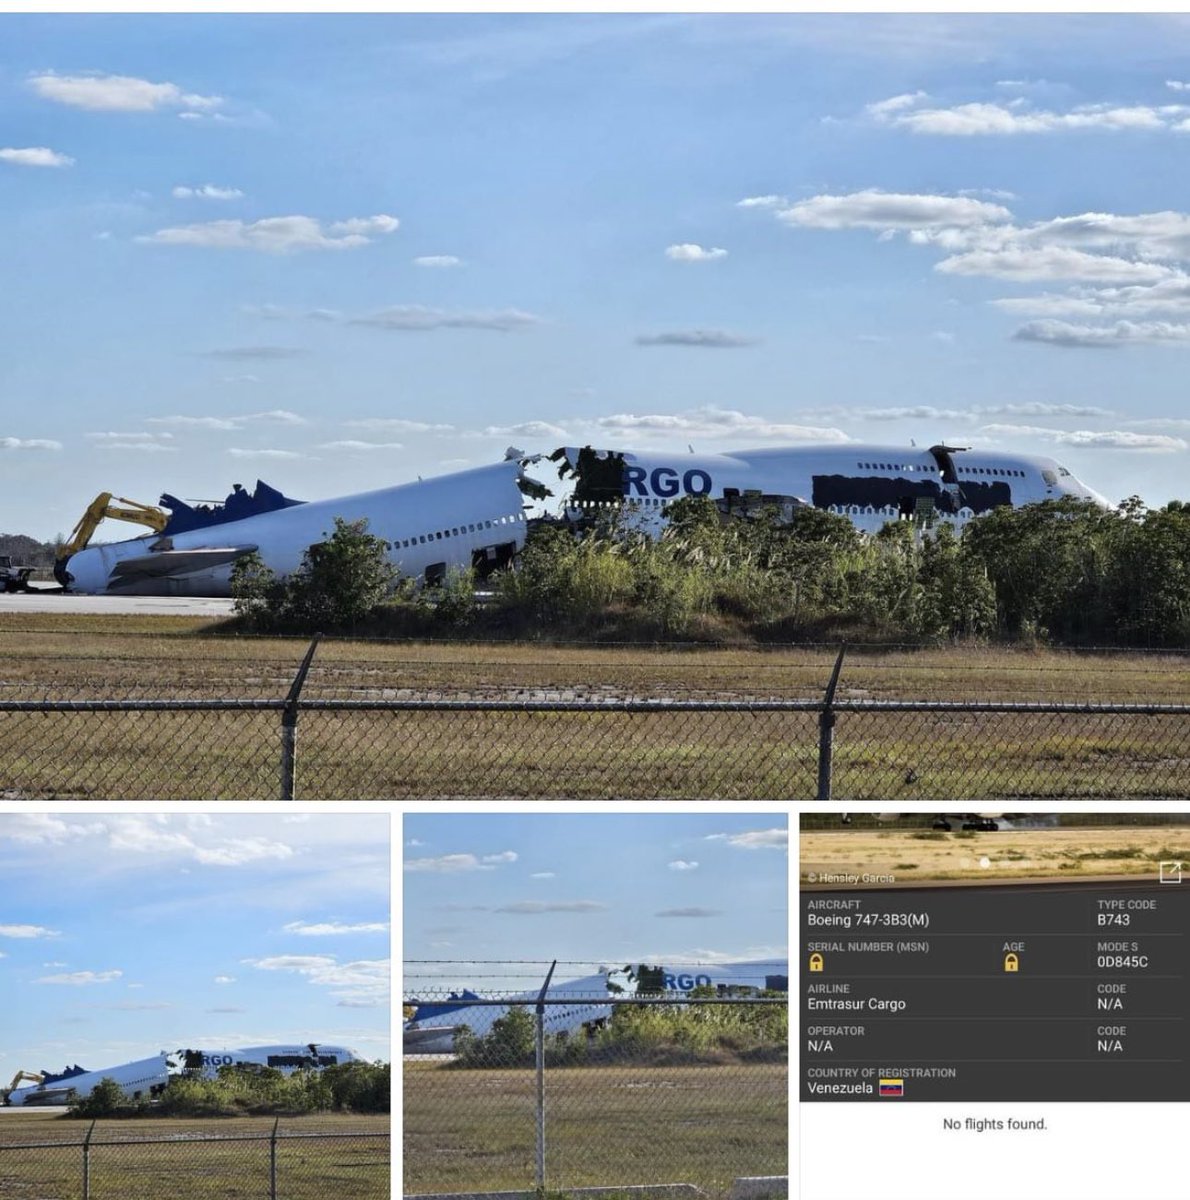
(596, 1091)
(370, 729)
(112, 1161)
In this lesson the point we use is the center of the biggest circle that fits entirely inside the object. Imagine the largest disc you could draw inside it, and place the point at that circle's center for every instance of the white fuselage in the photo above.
(148, 1076)
(431, 526)
(569, 1018)
(869, 484)
(475, 517)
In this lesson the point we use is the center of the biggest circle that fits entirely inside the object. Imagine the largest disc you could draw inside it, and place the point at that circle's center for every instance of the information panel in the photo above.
(983, 986)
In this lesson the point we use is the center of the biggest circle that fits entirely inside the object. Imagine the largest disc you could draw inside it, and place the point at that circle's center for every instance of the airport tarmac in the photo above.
(46, 601)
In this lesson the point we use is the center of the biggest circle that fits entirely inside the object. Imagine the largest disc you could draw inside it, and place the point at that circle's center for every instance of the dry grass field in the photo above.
(74, 657)
(605, 1126)
(182, 1165)
(743, 755)
(1009, 854)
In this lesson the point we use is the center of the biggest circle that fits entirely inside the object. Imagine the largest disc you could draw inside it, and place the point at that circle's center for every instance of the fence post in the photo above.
(273, 1161)
(826, 729)
(87, 1163)
(540, 1040)
(289, 720)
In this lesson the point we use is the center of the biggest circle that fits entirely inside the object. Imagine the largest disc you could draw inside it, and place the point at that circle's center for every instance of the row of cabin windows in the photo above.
(438, 535)
(870, 466)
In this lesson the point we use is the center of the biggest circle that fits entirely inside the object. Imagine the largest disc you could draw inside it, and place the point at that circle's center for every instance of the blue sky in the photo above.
(594, 888)
(342, 251)
(125, 934)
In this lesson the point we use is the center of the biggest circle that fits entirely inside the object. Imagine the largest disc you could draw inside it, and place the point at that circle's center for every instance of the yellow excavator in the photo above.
(19, 1078)
(100, 508)
(97, 510)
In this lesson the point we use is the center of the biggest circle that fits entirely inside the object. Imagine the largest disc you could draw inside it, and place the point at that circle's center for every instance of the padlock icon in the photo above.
(1012, 964)
(816, 963)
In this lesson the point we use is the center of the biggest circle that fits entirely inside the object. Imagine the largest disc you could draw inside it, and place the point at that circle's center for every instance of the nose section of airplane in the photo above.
(85, 571)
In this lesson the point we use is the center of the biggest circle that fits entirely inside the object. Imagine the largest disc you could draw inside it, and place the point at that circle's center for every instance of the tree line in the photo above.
(1063, 572)
(635, 1032)
(248, 1090)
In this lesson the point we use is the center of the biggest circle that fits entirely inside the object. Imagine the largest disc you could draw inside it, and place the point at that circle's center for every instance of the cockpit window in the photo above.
(1049, 477)
(1063, 471)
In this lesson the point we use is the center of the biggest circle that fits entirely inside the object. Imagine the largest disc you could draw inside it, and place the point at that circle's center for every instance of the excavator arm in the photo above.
(101, 507)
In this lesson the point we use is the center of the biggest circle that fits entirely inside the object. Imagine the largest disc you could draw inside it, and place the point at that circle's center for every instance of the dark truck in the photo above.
(14, 579)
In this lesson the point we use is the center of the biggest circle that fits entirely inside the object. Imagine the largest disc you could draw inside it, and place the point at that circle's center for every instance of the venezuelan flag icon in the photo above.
(892, 1087)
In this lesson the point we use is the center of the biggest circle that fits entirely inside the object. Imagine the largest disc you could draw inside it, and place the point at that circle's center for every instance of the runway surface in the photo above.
(72, 605)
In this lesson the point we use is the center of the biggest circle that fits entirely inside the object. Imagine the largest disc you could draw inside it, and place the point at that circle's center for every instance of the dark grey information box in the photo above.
(1009, 992)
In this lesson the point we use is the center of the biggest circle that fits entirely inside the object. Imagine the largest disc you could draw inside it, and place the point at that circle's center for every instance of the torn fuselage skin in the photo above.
(868, 484)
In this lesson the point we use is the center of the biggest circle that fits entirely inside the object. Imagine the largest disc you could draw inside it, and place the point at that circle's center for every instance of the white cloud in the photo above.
(544, 875)
(528, 429)
(505, 856)
(894, 104)
(1125, 266)
(275, 235)
(118, 93)
(1111, 439)
(366, 226)
(680, 864)
(716, 339)
(235, 852)
(35, 156)
(206, 191)
(437, 260)
(446, 863)
(692, 252)
(416, 318)
(1017, 117)
(242, 452)
(762, 202)
(276, 416)
(1177, 85)
(141, 447)
(333, 928)
(109, 436)
(1164, 234)
(29, 931)
(81, 978)
(225, 979)
(1047, 263)
(754, 839)
(360, 984)
(36, 829)
(1122, 333)
(893, 211)
(399, 425)
(13, 443)
(352, 444)
(713, 422)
